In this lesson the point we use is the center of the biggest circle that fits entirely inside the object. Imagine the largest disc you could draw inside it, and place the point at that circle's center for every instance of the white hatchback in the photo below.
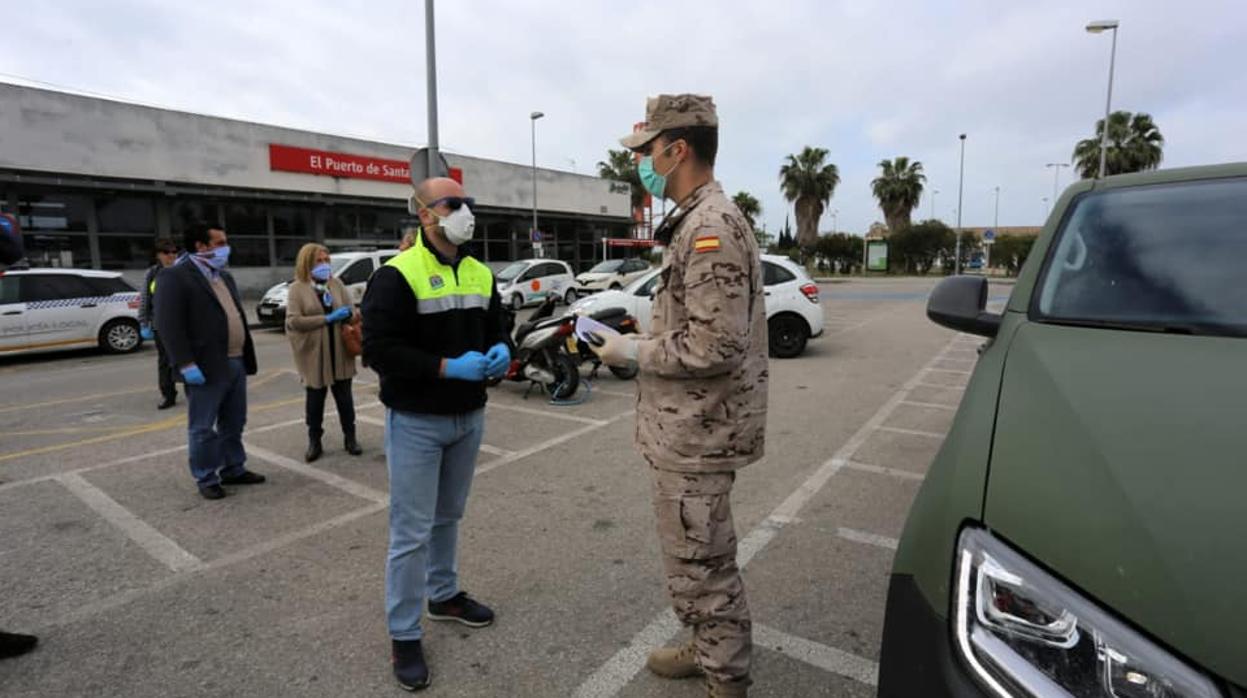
(612, 274)
(531, 280)
(57, 309)
(793, 313)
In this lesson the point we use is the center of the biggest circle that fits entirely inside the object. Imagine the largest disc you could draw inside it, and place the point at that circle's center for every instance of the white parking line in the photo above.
(931, 405)
(615, 393)
(544, 413)
(346, 485)
(155, 543)
(913, 432)
(610, 678)
(924, 384)
(550, 443)
(826, 658)
(958, 372)
(868, 538)
(881, 470)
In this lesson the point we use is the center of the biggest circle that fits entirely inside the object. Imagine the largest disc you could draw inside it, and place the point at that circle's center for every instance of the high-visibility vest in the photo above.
(437, 286)
(151, 288)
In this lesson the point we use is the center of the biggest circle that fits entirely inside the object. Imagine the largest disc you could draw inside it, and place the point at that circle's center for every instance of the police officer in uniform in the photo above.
(701, 407)
(166, 255)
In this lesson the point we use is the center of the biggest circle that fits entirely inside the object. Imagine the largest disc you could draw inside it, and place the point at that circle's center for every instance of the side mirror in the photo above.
(959, 303)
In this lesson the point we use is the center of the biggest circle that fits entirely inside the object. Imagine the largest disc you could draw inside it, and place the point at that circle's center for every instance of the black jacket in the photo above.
(10, 247)
(192, 325)
(147, 309)
(407, 348)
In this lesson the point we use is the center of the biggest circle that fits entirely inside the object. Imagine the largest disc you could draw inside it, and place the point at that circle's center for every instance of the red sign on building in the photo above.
(287, 158)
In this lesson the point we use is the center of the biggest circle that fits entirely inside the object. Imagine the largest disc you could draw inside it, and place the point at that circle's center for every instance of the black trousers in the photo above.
(316, 408)
(164, 372)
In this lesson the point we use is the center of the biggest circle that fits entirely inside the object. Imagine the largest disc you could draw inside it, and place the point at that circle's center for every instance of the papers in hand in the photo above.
(586, 325)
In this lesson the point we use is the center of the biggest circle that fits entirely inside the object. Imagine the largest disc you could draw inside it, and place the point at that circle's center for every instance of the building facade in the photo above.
(94, 182)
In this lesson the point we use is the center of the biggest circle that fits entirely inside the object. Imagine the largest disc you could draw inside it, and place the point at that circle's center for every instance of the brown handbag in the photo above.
(353, 338)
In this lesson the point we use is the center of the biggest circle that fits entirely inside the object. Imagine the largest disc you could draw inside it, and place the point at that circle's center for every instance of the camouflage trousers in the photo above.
(698, 539)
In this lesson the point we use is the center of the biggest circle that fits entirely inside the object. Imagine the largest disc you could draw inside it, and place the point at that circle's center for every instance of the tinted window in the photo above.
(774, 274)
(53, 287)
(552, 269)
(1165, 257)
(510, 272)
(358, 272)
(126, 215)
(107, 287)
(647, 288)
(609, 266)
(8, 289)
(387, 257)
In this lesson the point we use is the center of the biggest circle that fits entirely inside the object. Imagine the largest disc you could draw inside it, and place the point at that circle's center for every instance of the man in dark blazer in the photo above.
(200, 321)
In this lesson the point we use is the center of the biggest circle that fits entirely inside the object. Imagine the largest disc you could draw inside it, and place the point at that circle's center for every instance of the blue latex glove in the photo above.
(338, 315)
(469, 367)
(145, 331)
(498, 360)
(193, 375)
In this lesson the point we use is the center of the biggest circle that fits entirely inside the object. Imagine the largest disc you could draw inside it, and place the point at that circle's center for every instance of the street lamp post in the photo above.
(996, 218)
(1096, 28)
(834, 226)
(1056, 176)
(960, 188)
(933, 193)
(430, 66)
(533, 119)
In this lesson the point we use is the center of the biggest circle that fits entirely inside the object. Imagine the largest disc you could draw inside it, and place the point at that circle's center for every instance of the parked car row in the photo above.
(59, 309)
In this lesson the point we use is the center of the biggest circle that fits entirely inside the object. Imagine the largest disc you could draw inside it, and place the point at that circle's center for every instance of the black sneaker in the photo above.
(409, 667)
(462, 608)
(212, 492)
(247, 478)
(15, 644)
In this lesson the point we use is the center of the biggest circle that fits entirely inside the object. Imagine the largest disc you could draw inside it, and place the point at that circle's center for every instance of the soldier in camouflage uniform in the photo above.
(701, 409)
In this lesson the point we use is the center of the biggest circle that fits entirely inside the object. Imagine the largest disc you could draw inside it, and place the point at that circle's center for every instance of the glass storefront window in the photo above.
(53, 211)
(246, 219)
(126, 215)
(340, 222)
(126, 251)
(292, 221)
(288, 249)
(188, 211)
(381, 223)
(248, 251)
(73, 251)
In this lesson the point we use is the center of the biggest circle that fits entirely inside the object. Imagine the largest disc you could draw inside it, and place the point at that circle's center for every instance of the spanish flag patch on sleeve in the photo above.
(706, 243)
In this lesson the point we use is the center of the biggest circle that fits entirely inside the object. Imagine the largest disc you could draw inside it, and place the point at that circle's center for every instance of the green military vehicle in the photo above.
(1083, 529)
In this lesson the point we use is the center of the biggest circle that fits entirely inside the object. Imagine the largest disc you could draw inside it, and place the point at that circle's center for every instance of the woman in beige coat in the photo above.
(317, 307)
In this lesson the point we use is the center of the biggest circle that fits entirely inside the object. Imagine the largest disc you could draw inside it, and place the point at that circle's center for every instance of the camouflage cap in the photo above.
(672, 111)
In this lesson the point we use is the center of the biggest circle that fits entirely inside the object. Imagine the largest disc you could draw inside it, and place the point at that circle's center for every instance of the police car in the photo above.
(58, 309)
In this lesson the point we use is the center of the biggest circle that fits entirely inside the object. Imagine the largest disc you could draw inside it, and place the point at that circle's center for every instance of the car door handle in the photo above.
(12, 312)
(89, 305)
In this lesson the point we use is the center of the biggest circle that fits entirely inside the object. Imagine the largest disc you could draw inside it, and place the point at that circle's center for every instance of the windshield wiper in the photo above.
(1165, 327)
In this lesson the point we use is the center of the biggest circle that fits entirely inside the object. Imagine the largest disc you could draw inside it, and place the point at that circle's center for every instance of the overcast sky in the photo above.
(866, 80)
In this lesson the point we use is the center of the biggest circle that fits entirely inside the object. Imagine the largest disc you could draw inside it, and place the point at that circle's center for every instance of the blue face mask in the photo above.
(217, 258)
(654, 183)
(322, 271)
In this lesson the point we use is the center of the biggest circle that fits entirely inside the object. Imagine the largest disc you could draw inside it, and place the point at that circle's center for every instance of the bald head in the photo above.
(438, 187)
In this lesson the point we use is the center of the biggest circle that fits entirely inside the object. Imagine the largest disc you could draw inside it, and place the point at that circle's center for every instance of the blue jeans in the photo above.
(215, 416)
(432, 459)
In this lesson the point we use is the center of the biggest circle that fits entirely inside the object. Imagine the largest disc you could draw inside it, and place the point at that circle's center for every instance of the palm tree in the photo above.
(808, 184)
(749, 207)
(898, 189)
(1134, 145)
(620, 165)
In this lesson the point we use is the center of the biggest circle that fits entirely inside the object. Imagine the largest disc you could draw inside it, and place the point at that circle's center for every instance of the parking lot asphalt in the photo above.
(138, 587)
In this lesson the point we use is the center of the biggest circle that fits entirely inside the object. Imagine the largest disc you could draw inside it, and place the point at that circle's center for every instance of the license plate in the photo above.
(572, 347)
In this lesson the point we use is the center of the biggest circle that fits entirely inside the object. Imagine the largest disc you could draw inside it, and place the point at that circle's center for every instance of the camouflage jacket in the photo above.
(702, 396)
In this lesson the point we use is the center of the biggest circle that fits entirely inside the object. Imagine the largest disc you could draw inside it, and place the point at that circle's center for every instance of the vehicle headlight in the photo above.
(1025, 633)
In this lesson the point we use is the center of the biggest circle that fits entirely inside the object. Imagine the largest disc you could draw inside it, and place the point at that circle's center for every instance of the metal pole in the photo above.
(960, 189)
(1108, 105)
(933, 193)
(430, 63)
(996, 219)
(534, 230)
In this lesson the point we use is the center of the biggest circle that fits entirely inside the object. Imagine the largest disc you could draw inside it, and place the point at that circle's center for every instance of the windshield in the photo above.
(512, 271)
(641, 280)
(1163, 258)
(607, 267)
(338, 261)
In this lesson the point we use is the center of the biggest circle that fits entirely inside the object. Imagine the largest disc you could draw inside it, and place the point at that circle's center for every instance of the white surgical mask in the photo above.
(459, 225)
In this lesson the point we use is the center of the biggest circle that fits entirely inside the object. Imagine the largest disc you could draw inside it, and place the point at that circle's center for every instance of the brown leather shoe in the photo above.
(674, 662)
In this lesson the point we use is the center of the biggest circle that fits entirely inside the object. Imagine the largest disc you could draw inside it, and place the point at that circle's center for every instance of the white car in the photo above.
(57, 309)
(531, 280)
(353, 269)
(613, 274)
(793, 314)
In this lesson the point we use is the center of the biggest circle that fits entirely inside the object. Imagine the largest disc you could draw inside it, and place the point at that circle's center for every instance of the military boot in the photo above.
(727, 689)
(674, 662)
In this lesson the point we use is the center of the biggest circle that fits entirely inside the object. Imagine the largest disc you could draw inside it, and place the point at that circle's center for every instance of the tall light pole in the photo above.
(1056, 176)
(933, 193)
(835, 227)
(996, 218)
(1097, 27)
(430, 66)
(960, 189)
(533, 119)
(1046, 209)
